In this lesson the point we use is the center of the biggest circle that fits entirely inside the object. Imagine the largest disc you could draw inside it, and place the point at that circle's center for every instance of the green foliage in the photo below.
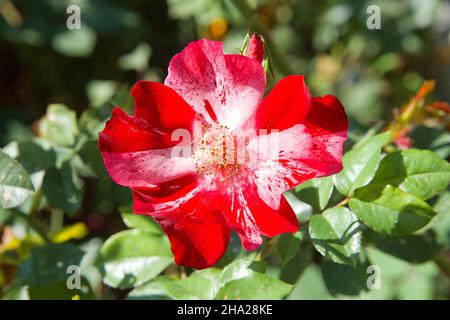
(385, 216)
(421, 173)
(360, 164)
(63, 188)
(143, 222)
(335, 234)
(235, 281)
(59, 126)
(15, 185)
(133, 257)
(392, 211)
(315, 192)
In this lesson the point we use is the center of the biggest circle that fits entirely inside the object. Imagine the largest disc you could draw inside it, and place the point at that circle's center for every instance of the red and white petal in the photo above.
(161, 107)
(145, 149)
(198, 244)
(197, 230)
(147, 168)
(226, 88)
(302, 152)
(251, 217)
(125, 133)
(166, 199)
(286, 105)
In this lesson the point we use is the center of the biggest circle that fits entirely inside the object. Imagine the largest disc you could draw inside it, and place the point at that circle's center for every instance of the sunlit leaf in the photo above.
(336, 234)
(133, 257)
(418, 172)
(15, 185)
(315, 192)
(59, 126)
(254, 286)
(392, 211)
(360, 164)
(139, 221)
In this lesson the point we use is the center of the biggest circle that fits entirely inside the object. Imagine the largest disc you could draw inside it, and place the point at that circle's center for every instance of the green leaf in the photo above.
(60, 291)
(137, 59)
(336, 234)
(154, 290)
(59, 126)
(392, 211)
(47, 265)
(287, 246)
(100, 91)
(199, 285)
(310, 286)
(292, 270)
(315, 192)
(360, 164)
(15, 185)
(345, 280)
(254, 286)
(412, 248)
(419, 172)
(237, 269)
(36, 155)
(63, 188)
(75, 43)
(133, 257)
(441, 223)
(434, 139)
(139, 221)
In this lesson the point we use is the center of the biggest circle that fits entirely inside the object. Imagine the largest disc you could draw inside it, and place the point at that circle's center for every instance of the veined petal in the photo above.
(286, 105)
(223, 87)
(198, 245)
(147, 168)
(197, 230)
(251, 217)
(142, 150)
(302, 152)
(161, 107)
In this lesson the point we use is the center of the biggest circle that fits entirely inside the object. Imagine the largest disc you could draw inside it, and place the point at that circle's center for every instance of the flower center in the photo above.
(220, 151)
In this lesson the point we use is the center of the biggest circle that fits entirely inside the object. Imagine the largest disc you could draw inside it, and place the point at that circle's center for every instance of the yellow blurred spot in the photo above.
(11, 14)
(327, 67)
(218, 27)
(76, 297)
(76, 231)
(9, 241)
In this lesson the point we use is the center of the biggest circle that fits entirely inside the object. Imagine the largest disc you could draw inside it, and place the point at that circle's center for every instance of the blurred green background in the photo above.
(372, 72)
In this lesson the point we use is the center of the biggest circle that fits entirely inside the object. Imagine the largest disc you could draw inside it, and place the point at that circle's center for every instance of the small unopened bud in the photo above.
(256, 48)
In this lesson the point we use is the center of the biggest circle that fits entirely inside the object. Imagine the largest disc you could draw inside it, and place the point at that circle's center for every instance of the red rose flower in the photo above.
(200, 197)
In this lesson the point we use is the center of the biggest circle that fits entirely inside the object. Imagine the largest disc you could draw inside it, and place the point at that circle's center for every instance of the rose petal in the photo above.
(302, 152)
(148, 148)
(161, 107)
(147, 168)
(251, 217)
(226, 87)
(197, 230)
(286, 105)
(198, 245)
